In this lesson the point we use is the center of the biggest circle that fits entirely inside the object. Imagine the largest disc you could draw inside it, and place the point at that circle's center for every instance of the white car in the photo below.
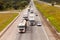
(38, 23)
(36, 15)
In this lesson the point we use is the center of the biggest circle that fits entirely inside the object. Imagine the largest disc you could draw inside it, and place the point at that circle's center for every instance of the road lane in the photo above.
(12, 32)
(41, 30)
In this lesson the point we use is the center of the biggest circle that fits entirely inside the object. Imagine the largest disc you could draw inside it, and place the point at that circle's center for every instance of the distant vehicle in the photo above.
(28, 10)
(32, 19)
(31, 10)
(25, 16)
(22, 26)
(38, 23)
(29, 6)
(36, 15)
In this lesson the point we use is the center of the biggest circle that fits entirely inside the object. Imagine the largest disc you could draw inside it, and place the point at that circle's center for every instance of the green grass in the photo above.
(5, 19)
(50, 12)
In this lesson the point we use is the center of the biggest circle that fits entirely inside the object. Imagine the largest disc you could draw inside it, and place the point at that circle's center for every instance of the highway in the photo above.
(32, 33)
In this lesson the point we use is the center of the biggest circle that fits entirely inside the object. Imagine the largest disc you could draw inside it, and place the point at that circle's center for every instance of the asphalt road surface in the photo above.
(32, 33)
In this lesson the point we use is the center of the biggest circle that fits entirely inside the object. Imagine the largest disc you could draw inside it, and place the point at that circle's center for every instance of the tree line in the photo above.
(51, 1)
(13, 4)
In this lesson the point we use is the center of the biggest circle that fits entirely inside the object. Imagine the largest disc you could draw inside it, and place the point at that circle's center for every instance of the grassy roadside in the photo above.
(5, 19)
(50, 12)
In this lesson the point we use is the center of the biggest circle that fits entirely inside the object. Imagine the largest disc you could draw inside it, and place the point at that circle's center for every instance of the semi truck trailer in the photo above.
(31, 19)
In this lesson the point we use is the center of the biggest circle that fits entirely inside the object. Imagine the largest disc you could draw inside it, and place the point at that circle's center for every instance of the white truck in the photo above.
(25, 16)
(22, 26)
(31, 19)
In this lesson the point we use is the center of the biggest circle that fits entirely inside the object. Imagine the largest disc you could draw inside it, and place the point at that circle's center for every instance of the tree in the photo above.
(16, 4)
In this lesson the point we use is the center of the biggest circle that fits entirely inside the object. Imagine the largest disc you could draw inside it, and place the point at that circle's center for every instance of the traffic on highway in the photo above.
(29, 16)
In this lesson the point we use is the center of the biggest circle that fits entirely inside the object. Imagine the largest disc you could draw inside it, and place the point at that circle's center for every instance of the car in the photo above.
(38, 23)
(28, 10)
(36, 15)
(31, 11)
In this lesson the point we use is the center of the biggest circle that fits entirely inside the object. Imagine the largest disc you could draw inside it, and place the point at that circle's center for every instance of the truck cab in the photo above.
(22, 26)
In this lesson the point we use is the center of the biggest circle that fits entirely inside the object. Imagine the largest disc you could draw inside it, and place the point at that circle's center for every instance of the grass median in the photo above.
(5, 19)
(50, 12)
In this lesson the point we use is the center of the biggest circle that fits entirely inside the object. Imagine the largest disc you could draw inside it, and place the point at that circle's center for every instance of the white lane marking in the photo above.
(45, 32)
(43, 28)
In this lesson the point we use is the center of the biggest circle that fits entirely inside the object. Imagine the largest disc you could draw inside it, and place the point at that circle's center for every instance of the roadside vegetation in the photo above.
(5, 19)
(50, 12)
(13, 4)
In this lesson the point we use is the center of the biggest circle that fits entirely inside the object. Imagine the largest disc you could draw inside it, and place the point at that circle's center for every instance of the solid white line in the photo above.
(45, 32)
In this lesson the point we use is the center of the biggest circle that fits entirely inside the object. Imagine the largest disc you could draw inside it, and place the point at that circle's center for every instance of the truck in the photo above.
(31, 19)
(22, 26)
(25, 16)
